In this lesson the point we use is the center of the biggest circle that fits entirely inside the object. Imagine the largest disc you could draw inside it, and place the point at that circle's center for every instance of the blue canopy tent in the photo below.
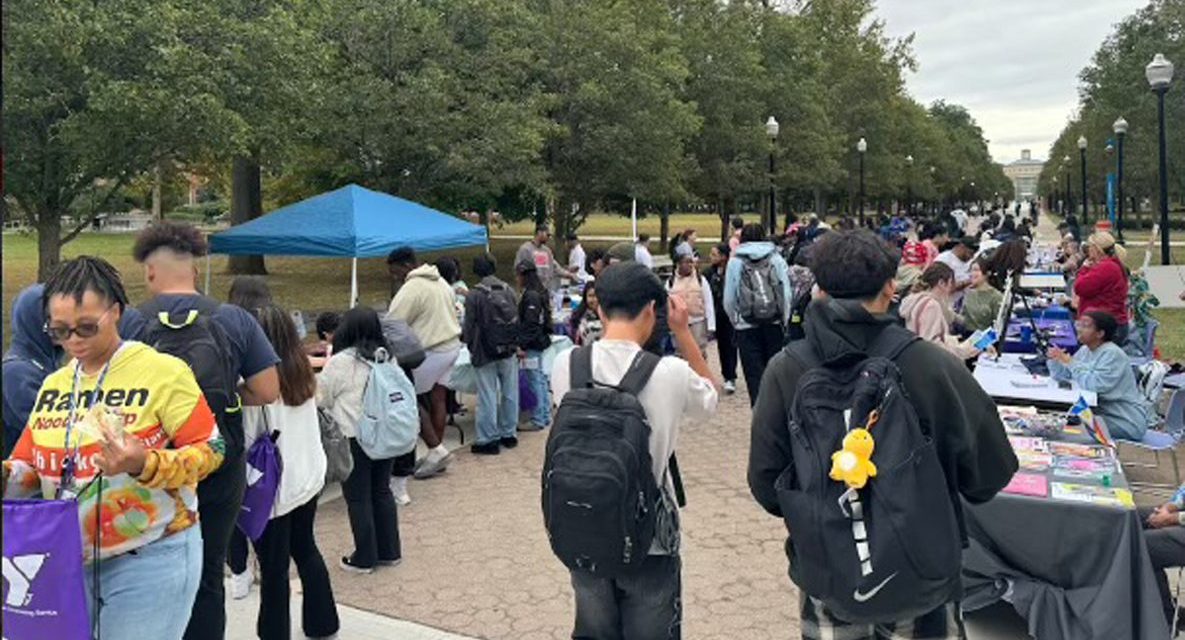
(351, 222)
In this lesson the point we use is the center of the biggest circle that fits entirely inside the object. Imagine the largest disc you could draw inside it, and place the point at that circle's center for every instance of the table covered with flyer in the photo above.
(1062, 543)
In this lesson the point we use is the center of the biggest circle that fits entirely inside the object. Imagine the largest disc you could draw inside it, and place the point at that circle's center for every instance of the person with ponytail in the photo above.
(136, 436)
(928, 311)
(1102, 282)
(289, 536)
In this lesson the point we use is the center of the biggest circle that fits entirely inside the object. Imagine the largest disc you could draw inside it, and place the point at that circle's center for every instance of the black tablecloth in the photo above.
(1072, 570)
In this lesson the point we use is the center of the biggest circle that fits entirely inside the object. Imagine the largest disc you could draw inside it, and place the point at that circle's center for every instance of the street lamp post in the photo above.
(771, 129)
(1057, 197)
(1120, 128)
(861, 147)
(909, 185)
(1160, 74)
(1069, 188)
(1085, 198)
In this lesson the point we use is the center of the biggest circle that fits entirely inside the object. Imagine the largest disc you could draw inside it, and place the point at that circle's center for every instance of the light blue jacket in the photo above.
(732, 279)
(1108, 372)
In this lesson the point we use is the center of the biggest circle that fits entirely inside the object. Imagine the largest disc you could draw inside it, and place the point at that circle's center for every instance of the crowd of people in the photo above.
(159, 404)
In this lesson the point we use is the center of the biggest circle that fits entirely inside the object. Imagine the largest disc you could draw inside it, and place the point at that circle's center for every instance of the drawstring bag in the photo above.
(264, 467)
(44, 590)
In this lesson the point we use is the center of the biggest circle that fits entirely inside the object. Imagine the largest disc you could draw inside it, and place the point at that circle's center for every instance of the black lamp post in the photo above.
(1160, 74)
(1069, 188)
(1057, 197)
(771, 129)
(861, 147)
(909, 185)
(1085, 198)
(1120, 128)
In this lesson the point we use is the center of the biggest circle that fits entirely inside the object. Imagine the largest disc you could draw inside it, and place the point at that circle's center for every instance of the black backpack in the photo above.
(196, 338)
(601, 505)
(498, 326)
(891, 550)
(534, 322)
(759, 296)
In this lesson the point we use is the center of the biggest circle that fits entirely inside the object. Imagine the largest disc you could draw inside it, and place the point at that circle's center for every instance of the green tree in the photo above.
(97, 94)
(616, 75)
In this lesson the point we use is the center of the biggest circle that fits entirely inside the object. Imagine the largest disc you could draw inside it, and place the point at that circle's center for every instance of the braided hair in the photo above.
(85, 273)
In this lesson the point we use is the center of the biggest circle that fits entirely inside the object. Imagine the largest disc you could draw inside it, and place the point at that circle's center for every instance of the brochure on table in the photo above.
(1058, 470)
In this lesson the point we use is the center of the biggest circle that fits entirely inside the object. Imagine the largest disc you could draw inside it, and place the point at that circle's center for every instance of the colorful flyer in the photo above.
(1024, 443)
(1075, 450)
(1103, 496)
(1034, 460)
(1028, 484)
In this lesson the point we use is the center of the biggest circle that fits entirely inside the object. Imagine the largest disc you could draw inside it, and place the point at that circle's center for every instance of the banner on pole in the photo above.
(1111, 197)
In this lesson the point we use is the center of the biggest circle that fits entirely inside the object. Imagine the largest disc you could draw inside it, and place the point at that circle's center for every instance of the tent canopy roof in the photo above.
(351, 222)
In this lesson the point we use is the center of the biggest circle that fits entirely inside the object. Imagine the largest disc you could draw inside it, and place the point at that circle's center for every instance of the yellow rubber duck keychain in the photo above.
(853, 464)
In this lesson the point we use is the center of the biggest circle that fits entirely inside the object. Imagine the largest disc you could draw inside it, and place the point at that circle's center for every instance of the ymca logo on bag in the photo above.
(390, 419)
(19, 574)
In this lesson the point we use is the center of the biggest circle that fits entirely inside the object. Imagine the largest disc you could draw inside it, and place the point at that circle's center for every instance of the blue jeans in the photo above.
(497, 400)
(643, 604)
(541, 386)
(148, 592)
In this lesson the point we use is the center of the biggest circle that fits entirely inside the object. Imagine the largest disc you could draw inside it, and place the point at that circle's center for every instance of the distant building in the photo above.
(1024, 173)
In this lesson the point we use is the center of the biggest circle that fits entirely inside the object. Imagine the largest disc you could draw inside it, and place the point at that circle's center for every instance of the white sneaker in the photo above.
(434, 463)
(399, 488)
(240, 584)
(730, 387)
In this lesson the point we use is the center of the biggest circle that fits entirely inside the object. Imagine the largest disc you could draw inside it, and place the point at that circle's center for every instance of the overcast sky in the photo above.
(1013, 63)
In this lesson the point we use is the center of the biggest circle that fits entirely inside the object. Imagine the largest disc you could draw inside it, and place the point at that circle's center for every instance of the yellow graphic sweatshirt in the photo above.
(155, 398)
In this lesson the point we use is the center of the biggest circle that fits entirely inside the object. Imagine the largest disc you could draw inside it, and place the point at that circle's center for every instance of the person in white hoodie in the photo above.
(427, 304)
(289, 532)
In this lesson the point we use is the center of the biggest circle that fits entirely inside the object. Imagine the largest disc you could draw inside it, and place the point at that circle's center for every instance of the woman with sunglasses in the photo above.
(136, 436)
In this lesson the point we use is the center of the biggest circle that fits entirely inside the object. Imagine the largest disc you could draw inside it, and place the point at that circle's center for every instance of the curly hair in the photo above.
(178, 237)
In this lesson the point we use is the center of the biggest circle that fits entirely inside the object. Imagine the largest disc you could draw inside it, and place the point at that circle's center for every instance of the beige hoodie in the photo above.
(425, 303)
(931, 318)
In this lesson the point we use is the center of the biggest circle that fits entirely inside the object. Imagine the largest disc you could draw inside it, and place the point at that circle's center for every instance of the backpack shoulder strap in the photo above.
(580, 368)
(891, 342)
(639, 373)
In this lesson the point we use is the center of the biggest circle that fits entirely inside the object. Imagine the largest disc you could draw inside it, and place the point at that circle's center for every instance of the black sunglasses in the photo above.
(82, 330)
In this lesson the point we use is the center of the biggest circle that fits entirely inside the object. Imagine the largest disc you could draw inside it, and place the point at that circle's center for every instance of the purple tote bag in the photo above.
(263, 481)
(44, 593)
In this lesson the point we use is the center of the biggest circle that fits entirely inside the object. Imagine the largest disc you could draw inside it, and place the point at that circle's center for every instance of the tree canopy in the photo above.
(555, 108)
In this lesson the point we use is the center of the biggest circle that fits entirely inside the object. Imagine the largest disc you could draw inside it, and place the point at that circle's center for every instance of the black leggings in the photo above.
(219, 498)
(374, 520)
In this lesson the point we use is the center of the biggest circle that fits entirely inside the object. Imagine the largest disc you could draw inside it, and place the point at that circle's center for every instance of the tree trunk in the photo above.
(49, 243)
(664, 226)
(157, 214)
(820, 203)
(723, 220)
(246, 204)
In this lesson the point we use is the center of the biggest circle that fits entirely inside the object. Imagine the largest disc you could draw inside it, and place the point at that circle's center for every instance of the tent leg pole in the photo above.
(354, 283)
(207, 291)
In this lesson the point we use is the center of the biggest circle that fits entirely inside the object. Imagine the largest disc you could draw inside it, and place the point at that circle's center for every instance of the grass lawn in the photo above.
(706, 224)
(318, 284)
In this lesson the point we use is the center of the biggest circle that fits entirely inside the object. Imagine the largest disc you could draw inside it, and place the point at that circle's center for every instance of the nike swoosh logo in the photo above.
(865, 597)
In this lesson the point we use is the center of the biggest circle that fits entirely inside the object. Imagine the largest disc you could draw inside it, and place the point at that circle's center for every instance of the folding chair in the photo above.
(1159, 441)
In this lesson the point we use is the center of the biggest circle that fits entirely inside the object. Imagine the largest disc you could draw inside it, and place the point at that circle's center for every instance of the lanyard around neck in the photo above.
(75, 400)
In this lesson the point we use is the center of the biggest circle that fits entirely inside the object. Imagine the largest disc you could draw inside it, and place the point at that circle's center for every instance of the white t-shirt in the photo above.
(675, 392)
(962, 269)
(576, 260)
(300, 449)
(642, 255)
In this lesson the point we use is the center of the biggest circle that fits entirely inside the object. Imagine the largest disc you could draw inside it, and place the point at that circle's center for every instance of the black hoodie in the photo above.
(950, 404)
